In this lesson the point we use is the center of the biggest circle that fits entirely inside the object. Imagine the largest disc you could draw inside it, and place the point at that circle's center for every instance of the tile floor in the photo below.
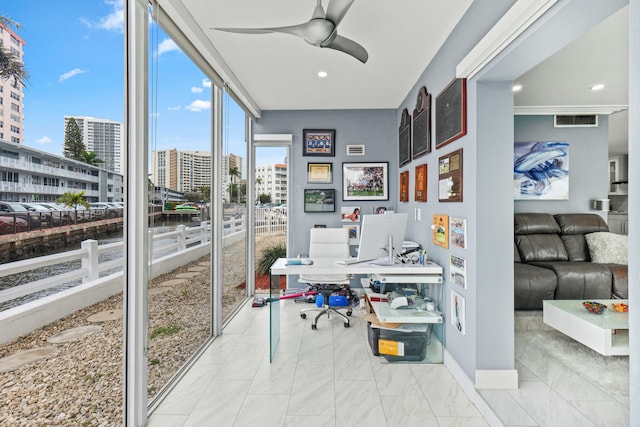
(323, 377)
(328, 377)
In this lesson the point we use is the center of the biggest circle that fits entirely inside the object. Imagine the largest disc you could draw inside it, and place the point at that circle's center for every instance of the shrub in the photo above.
(269, 255)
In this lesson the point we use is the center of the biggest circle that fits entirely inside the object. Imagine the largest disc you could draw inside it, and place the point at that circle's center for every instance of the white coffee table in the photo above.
(606, 333)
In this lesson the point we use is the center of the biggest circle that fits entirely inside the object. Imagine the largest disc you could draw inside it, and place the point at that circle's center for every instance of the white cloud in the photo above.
(195, 89)
(176, 108)
(70, 74)
(167, 45)
(206, 83)
(44, 140)
(199, 105)
(114, 21)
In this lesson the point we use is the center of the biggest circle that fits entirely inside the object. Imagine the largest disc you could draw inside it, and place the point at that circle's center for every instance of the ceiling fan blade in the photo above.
(350, 47)
(337, 9)
(295, 30)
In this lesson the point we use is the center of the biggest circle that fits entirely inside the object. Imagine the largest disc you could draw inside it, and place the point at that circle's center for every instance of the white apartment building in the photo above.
(103, 137)
(272, 180)
(30, 175)
(182, 171)
(11, 95)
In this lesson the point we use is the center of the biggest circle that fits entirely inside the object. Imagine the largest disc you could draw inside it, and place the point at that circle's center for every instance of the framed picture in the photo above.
(404, 186)
(458, 232)
(365, 181)
(320, 200)
(421, 183)
(319, 173)
(450, 177)
(350, 214)
(404, 139)
(440, 230)
(458, 312)
(319, 142)
(354, 233)
(381, 210)
(422, 124)
(451, 112)
(458, 270)
(541, 170)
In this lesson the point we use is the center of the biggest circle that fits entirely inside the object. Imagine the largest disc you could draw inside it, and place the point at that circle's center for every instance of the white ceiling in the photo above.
(280, 71)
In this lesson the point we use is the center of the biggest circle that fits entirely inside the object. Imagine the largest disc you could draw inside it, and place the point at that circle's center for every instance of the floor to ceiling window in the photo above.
(234, 200)
(180, 176)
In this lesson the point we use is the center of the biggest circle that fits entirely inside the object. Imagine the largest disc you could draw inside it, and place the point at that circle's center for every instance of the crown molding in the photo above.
(517, 19)
(546, 110)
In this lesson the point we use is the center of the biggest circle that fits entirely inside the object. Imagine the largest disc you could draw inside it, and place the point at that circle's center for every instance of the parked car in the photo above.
(105, 210)
(10, 225)
(66, 213)
(15, 209)
(53, 218)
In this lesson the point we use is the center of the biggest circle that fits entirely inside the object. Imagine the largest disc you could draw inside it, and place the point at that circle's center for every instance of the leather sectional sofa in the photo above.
(552, 261)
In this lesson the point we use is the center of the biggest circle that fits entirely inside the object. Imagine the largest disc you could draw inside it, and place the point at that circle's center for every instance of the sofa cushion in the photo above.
(535, 223)
(532, 285)
(620, 288)
(580, 223)
(541, 247)
(608, 248)
(580, 280)
(576, 246)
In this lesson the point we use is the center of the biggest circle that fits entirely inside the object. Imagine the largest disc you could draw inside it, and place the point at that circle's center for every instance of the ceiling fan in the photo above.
(321, 30)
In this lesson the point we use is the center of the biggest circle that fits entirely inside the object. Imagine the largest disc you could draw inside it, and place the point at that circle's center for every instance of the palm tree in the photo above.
(233, 173)
(73, 200)
(90, 158)
(11, 65)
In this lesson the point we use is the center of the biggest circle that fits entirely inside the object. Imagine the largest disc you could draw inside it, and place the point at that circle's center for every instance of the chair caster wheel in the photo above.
(314, 327)
(346, 325)
(348, 313)
(304, 316)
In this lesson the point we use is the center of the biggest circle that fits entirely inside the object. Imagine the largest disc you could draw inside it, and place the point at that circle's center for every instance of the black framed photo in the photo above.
(422, 124)
(365, 181)
(318, 142)
(319, 173)
(320, 200)
(404, 139)
(451, 112)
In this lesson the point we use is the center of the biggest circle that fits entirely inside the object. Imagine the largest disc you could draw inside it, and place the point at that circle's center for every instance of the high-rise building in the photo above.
(103, 137)
(11, 95)
(272, 180)
(182, 171)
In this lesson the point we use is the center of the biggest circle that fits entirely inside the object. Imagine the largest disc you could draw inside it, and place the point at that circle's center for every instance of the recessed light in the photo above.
(597, 87)
(322, 74)
(517, 88)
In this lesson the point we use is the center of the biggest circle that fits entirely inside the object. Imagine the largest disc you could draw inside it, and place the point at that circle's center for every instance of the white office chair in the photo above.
(327, 243)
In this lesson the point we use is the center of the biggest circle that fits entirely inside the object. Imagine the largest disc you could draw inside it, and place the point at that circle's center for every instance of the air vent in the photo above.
(355, 150)
(576, 121)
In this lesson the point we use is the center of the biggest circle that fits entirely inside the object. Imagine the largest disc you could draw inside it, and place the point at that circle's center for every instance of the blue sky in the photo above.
(74, 54)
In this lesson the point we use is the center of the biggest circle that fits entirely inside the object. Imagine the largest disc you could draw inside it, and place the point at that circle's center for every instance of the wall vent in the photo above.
(355, 150)
(575, 121)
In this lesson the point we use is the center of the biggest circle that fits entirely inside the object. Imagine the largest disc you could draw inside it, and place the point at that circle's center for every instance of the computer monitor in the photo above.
(375, 233)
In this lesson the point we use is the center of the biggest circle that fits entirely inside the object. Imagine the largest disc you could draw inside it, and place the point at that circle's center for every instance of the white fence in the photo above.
(101, 280)
(170, 251)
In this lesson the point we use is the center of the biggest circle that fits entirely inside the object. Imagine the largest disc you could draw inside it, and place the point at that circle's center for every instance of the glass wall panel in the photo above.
(234, 187)
(60, 151)
(180, 170)
(271, 177)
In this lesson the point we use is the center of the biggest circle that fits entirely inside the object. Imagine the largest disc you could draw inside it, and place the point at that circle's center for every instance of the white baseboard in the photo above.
(470, 390)
(497, 379)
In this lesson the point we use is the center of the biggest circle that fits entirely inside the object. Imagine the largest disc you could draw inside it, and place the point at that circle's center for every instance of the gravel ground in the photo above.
(81, 384)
